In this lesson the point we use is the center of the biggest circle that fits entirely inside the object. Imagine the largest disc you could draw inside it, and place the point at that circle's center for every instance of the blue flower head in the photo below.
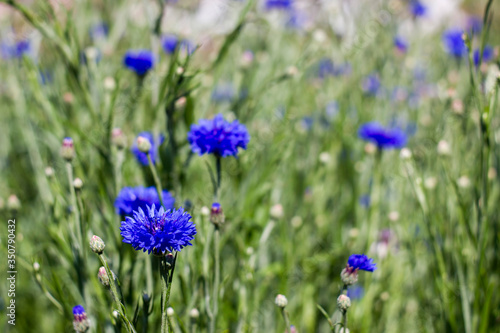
(99, 31)
(130, 199)
(159, 231)
(361, 262)
(169, 43)
(219, 137)
(487, 55)
(78, 310)
(371, 85)
(15, 50)
(139, 61)
(80, 321)
(417, 8)
(279, 4)
(475, 24)
(400, 44)
(153, 152)
(454, 43)
(384, 138)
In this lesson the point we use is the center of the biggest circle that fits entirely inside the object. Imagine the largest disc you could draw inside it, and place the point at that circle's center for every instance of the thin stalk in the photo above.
(286, 319)
(344, 322)
(116, 297)
(215, 290)
(156, 179)
(69, 170)
(167, 273)
(219, 174)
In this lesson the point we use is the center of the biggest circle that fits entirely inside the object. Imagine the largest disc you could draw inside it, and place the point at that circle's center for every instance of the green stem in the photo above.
(286, 319)
(166, 272)
(116, 298)
(344, 322)
(156, 179)
(215, 290)
(69, 169)
(219, 174)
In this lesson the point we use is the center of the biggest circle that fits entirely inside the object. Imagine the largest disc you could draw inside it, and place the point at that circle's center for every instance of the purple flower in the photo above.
(218, 137)
(159, 231)
(487, 55)
(417, 8)
(361, 262)
(384, 138)
(153, 152)
(454, 43)
(278, 4)
(400, 44)
(130, 199)
(80, 321)
(139, 61)
(15, 50)
(169, 43)
(371, 85)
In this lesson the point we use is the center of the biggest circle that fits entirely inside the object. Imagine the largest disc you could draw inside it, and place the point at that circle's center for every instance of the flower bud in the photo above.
(80, 321)
(280, 301)
(13, 203)
(443, 148)
(67, 149)
(103, 276)
(349, 275)
(405, 154)
(343, 302)
(194, 313)
(118, 139)
(96, 244)
(49, 172)
(170, 311)
(205, 211)
(217, 215)
(143, 144)
(116, 314)
(277, 211)
(36, 266)
(77, 184)
(109, 83)
(180, 103)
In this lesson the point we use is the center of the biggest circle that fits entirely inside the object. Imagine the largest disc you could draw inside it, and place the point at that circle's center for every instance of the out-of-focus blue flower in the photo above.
(130, 199)
(217, 136)
(278, 4)
(159, 231)
(384, 138)
(296, 19)
(488, 54)
(15, 50)
(99, 31)
(142, 157)
(307, 123)
(371, 85)
(453, 43)
(139, 61)
(170, 42)
(361, 262)
(331, 110)
(364, 200)
(355, 292)
(475, 24)
(223, 92)
(326, 68)
(417, 8)
(400, 44)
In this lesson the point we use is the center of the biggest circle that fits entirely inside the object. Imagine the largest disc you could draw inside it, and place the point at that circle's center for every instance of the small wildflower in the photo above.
(158, 230)
(109, 83)
(430, 183)
(405, 154)
(362, 262)
(394, 216)
(488, 54)
(96, 244)
(280, 301)
(205, 211)
(218, 137)
(278, 4)
(194, 314)
(454, 43)
(384, 138)
(170, 311)
(139, 61)
(80, 321)
(400, 44)
(36, 266)
(217, 214)
(463, 182)
(417, 9)
(343, 302)
(67, 149)
(325, 157)
(371, 85)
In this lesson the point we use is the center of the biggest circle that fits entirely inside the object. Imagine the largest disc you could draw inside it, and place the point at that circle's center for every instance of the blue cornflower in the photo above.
(384, 138)
(454, 43)
(153, 152)
(99, 31)
(130, 199)
(487, 55)
(170, 42)
(15, 50)
(475, 24)
(80, 321)
(417, 8)
(218, 137)
(159, 231)
(325, 68)
(361, 262)
(278, 4)
(139, 61)
(371, 84)
(400, 44)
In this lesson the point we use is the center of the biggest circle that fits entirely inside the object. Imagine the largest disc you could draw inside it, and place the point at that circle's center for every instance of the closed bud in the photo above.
(96, 244)
(349, 275)
(217, 215)
(405, 154)
(77, 184)
(143, 144)
(443, 148)
(109, 83)
(13, 203)
(205, 211)
(343, 302)
(194, 314)
(68, 149)
(103, 276)
(49, 172)
(118, 139)
(180, 103)
(80, 321)
(36, 266)
(277, 211)
(280, 301)
(170, 311)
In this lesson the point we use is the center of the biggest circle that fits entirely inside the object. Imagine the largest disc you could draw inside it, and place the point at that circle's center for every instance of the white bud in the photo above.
(292, 71)
(325, 157)
(36, 266)
(277, 211)
(370, 148)
(405, 154)
(463, 182)
(143, 144)
(443, 148)
(296, 222)
(194, 313)
(49, 172)
(205, 211)
(393, 216)
(170, 311)
(77, 184)
(179, 70)
(109, 83)
(430, 183)
(280, 301)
